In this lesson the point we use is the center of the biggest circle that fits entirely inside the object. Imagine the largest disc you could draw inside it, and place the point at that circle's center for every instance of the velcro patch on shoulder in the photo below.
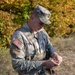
(18, 43)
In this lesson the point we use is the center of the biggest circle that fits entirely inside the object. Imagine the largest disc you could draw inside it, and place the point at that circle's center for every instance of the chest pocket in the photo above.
(42, 44)
(33, 49)
(30, 48)
(41, 41)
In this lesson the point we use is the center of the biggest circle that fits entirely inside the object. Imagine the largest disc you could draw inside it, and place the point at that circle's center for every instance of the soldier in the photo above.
(31, 50)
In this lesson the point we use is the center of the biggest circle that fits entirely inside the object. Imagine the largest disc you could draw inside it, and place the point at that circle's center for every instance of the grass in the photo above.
(5, 63)
(64, 47)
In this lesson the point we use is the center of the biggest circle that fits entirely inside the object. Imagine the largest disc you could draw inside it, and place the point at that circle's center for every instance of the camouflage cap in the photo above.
(43, 14)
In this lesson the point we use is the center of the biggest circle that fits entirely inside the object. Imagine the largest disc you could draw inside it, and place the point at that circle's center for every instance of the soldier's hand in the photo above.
(57, 58)
(49, 64)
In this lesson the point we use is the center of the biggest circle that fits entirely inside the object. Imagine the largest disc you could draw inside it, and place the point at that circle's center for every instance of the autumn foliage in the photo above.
(14, 13)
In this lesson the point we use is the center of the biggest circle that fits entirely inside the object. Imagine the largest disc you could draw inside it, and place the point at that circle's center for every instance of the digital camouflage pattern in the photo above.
(28, 49)
(43, 14)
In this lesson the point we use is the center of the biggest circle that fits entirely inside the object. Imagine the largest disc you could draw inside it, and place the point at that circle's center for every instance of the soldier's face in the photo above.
(37, 24)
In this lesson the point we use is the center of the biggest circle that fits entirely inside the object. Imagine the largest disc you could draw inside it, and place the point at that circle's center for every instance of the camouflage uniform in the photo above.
(28, 50)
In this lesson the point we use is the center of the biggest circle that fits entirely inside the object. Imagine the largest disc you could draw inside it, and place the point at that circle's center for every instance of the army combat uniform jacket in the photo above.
(28, 49)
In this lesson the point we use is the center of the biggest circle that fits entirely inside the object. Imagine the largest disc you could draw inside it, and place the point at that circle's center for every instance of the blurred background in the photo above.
(15, 13)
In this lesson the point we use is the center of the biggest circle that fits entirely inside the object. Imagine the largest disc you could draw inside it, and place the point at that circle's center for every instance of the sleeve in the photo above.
(17, 51)
(49, 45)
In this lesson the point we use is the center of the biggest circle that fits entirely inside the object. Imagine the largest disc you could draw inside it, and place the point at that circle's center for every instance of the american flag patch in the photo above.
(17, 43)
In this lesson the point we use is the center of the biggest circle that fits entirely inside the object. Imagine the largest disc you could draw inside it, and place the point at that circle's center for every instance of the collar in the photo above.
(26, 26)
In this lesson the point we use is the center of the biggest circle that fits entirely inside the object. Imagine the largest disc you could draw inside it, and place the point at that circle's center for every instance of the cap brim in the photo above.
(45, 21)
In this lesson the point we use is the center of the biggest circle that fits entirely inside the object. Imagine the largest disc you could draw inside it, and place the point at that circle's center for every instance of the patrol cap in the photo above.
(43, 14)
